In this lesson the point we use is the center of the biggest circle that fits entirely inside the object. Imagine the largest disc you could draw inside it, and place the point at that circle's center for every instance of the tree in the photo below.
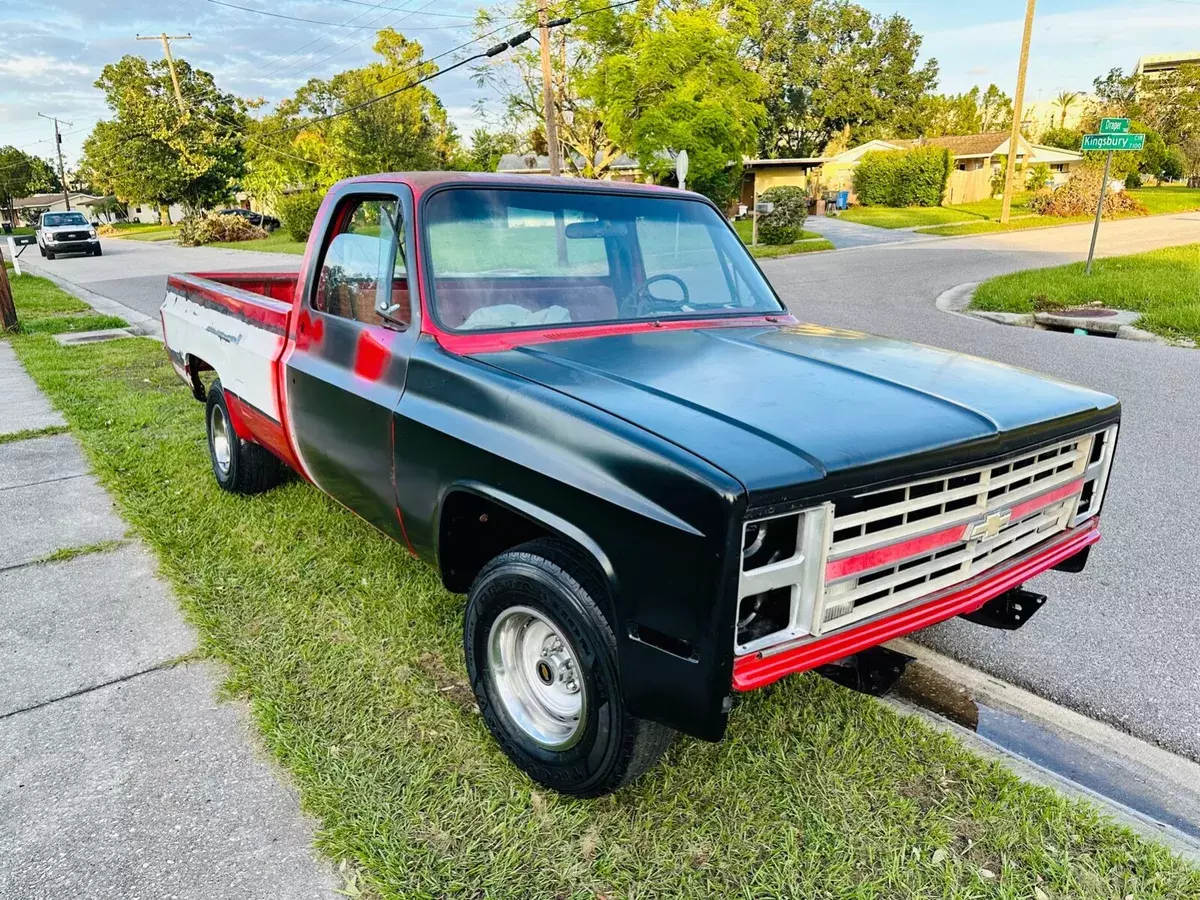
(680, 85)
(1064, 101)
(1063, 138)
(972, 112)
(150, 152)
(20, 176)
(8, 310)
(488, 146)
(830, 65)
(374, 127)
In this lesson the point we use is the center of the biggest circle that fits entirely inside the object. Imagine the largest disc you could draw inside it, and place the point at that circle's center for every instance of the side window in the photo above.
(359, 274)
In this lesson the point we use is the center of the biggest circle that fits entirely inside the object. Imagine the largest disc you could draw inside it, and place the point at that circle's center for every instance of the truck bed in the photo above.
(235, 323)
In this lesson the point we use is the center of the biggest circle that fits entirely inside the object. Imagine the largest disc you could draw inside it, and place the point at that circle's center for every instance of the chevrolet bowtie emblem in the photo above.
(990, 526)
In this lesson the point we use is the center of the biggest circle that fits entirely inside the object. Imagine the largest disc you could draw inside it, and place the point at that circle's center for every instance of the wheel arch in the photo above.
(477, 522)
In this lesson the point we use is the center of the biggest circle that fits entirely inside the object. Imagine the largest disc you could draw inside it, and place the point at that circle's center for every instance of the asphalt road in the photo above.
(1119, 642)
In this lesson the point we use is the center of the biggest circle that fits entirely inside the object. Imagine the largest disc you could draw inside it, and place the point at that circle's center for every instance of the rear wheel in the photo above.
(240, 467)
(542, 660)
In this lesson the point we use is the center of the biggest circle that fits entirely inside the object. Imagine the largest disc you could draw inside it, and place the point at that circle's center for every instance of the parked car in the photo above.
(584, 404)
(66, 232)
(269, 223)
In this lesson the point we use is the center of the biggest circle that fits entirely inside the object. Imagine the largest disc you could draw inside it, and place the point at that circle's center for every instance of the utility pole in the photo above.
(166, 42)
(62, 174)
(548, 90)
(1018, 100)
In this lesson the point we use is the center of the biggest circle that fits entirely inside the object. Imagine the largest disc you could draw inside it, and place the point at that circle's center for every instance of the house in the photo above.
(27, 209)
(147, 213)
(760, 175)
(976, 158)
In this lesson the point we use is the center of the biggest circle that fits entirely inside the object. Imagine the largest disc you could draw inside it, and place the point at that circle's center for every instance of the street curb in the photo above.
(956, 299)
(1141, 763)
(138, 321)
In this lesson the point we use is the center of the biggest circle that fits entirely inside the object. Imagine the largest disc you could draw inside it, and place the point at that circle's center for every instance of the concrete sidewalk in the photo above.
(121, 776)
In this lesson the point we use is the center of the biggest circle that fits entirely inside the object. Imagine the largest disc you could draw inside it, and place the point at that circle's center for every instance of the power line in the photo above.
(514, 41)
(398, 8)
(275, 15)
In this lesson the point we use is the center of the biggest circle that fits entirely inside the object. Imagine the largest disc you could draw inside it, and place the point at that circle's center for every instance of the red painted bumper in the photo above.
(757, 670)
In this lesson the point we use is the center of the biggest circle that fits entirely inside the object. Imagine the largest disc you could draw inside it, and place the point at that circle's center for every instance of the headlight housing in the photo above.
(49, 236)
(1104, 444)
(782, 577)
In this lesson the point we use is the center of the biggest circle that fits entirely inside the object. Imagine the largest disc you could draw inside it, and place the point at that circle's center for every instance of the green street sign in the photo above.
(1114, 126)
(1114, 141)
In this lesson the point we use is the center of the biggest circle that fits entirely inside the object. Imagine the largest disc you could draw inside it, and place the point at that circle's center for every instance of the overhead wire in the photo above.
(275, 15)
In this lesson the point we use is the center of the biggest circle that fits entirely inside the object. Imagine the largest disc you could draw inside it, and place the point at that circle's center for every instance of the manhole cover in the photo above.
(1083, 313)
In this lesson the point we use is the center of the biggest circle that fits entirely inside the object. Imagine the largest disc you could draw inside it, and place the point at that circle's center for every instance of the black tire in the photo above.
(249, 468)
(97, 251)
(560, 583)
(42, 250)
(49, 254)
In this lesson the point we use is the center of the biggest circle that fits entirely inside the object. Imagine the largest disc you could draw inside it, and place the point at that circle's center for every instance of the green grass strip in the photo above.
(30, 433)
(1162, 285)
(69, 553)
(349, 653)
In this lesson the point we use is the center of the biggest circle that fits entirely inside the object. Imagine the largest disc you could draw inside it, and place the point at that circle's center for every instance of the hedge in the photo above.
(915, 177)
(297, 212)
(783, 224)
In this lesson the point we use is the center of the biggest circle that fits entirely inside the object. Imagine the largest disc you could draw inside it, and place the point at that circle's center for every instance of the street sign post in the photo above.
(1114, 135)
(1113, 142)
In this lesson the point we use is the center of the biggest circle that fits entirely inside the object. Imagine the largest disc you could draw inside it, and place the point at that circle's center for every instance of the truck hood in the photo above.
(783, 405)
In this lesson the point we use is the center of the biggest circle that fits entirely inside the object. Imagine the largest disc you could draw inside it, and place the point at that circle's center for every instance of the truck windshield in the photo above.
(57, 220)
(523, 258)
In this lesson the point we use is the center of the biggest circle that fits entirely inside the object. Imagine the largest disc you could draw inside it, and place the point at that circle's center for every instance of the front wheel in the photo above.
(240, 467)
(97, 251)
(542, 660)
(49, 254)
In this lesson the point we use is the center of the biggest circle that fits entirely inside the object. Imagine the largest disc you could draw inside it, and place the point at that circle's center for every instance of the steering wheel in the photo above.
(640, 303)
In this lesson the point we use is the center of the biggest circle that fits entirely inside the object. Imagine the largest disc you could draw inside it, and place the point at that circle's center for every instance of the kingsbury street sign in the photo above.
(1113, 142)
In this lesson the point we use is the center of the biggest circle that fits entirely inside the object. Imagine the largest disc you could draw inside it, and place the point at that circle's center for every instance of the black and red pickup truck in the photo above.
(586, 406)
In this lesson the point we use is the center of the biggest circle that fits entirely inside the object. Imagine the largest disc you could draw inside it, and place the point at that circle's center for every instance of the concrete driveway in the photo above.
(1121, 641)
(844, 235)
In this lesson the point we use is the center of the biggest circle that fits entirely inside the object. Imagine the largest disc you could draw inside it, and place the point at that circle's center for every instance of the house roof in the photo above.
(986, 144)
(1044, 154)
(797, 161)
(50, 199)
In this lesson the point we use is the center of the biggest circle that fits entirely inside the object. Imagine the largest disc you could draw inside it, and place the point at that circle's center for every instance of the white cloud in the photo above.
(40, 66)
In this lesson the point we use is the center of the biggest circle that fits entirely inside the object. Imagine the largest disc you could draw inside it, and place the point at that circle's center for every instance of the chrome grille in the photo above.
(895, 545)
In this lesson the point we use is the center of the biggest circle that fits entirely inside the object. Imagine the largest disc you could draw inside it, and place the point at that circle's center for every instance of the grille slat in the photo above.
(929, 505)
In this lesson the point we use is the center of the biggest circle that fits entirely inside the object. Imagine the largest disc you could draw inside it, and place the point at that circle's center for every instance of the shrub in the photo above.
(1037, 177)
(1078, 197)
(1133, 180)
(107, 230)
(211, 228)
(297, 212)
(915, 177)
(784, 223)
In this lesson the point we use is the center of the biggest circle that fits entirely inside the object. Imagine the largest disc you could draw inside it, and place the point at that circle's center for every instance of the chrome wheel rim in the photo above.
(219, 429)
(538, 678)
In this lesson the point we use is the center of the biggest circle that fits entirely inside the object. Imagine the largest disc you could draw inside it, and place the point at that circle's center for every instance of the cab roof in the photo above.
(423, 181)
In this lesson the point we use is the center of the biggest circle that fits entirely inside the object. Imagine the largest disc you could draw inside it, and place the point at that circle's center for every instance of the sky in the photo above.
(51, 51)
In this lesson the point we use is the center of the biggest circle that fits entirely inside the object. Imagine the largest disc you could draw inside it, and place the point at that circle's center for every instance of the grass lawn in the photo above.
(1163, 285)
(278, 241)
(349, 654)
(744, 229)
(144, 231)
(770, 251)
(912, 216)
(43, 308)
(987, 226)
(20, 229)
(1168, 198)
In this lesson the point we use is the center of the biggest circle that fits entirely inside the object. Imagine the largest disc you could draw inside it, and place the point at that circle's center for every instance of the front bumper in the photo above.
(71, 246)
(757, 670)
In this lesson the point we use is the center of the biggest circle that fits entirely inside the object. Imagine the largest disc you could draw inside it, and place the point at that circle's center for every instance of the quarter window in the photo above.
(363, 270)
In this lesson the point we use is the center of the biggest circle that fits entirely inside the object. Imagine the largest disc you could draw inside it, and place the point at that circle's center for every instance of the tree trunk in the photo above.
(8, 312)
(164, 215)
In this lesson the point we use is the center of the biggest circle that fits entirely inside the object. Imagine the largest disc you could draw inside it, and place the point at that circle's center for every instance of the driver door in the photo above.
(347, 370)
